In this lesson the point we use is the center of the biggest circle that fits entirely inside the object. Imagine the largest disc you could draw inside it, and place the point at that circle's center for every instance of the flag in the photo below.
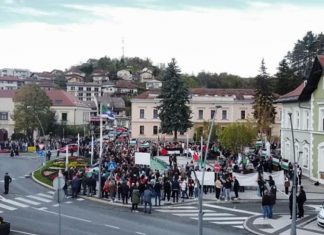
(195, 156)
(107, 112)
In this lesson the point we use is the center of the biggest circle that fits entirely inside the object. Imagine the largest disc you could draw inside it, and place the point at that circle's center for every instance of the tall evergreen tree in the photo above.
(264, 111)
(285, 79)
(174, 111)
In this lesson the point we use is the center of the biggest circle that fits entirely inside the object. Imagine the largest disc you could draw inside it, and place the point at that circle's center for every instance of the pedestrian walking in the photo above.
(236, 187)
(7, 181)
(218, 186)
(301, 199)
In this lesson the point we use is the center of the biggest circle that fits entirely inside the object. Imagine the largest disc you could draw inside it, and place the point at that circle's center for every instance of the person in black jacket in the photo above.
(7, 181)
(157, 194)
(301, 199)
(124, 188)
(167, 190)
(236, 187)
(175, 190)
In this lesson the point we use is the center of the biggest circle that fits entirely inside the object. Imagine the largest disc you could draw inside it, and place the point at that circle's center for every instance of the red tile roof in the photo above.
(63, 98)
(238, 93)
(9, 78)
(293, 95)
(125, 84)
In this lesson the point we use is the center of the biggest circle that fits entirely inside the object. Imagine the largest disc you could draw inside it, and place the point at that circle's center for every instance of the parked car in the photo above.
(71, 148)
(320, 217)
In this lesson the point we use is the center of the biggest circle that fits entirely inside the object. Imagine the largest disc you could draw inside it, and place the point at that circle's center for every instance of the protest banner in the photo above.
(142, 158)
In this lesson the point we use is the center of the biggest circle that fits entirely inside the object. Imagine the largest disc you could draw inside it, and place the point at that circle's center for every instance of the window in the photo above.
(142, 113)
(200, 114)
(297, 120)
(88, 94)
(141, 130)
(305, 156)
(3, 116)
(224, 114)
(80, 94)
(155, 114)
(242, 114)
(88, 88)
(212, 114)
(155, 130)
(96, 89)
(64, 117)
(307, 120)
(321, 120)
(80, 88)
(72, 88)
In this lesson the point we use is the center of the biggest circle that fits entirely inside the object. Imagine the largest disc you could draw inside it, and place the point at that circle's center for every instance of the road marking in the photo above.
(16, 231)
(80, 199)
(41, 208)
(27, 201)
(111, 226)
(140, 233)
(63, 215)
(1, 212)
(179, 207)
(39, 198)
(45, 195)
(239, 226)
(51, 192)
(68, 202)
(228, 222)
(56, 205)
(181, 211)
(231, 209)
(221, 219)
(205, 215)
(14, 203)
(7, 207)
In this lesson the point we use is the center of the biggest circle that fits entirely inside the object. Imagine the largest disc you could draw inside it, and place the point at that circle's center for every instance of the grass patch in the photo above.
(39, 176)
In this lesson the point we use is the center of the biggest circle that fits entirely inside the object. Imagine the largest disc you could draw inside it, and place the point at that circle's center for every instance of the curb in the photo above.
(39, 182)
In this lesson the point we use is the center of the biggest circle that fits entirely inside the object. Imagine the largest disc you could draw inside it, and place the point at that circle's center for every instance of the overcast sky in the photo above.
(203, 35)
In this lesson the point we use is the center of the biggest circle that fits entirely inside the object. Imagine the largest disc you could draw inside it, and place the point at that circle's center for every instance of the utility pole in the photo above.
(294, 188)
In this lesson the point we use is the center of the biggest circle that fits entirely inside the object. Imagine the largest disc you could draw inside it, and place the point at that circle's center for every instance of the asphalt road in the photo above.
(30, 209)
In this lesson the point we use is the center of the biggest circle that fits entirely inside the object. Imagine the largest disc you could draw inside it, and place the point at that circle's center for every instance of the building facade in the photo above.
(20, 73)
(84, 91)
(236, 106)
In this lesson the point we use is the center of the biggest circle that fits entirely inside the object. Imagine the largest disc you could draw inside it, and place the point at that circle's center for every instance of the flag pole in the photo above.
(100, 153)
(91, 150)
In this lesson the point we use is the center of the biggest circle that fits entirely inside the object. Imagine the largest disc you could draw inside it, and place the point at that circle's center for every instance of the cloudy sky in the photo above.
(203, 35)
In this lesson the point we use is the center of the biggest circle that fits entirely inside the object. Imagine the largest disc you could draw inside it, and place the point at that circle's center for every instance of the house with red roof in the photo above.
(305, 104)
(68, 110)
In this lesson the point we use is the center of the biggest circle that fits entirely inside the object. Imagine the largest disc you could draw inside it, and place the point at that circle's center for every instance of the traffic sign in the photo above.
(58, 182)
(59, 195)
(217, 167)
(112, 166)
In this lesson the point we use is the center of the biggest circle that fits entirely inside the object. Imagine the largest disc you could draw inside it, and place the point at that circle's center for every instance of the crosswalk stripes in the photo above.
(27, 201)
(211, 215)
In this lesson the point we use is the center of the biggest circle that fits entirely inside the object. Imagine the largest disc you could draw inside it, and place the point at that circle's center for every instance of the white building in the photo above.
(9, 83)
(84, 91)
(20, 73)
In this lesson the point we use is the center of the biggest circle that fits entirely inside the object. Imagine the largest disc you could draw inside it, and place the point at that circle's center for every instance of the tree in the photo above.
(264, 111)
(174, 112)
(237, 135)
(285, 79)
(87, 69)
(32, 111)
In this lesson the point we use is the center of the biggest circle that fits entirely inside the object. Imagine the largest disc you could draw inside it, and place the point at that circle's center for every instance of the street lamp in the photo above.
(293, 221)
(200, 215)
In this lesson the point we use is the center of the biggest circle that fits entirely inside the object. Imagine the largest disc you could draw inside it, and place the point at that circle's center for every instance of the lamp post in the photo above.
(200, 215)
(293, 221)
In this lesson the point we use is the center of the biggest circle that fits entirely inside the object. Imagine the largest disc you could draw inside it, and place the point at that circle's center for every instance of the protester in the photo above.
(157, 192)
(287, 184)
(218, 186)
(148, 199)
(266, 202)
(135, 198)
(236, 187)
(301, 199)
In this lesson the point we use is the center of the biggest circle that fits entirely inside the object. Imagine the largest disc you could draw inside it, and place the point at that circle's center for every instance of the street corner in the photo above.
(280, 224)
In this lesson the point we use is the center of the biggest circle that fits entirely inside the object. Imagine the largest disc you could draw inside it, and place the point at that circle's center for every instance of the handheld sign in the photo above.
(58, 182)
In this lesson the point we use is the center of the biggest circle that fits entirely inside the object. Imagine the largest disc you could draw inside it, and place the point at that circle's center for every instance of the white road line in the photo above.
(27, 201)
(111, 226)
(1, 212)
(221, 219)
(63, 215)
(80, 199)
(239, 226)
(7, 207)
(182, 211)
(21, 177)
(205, 215)
(229, 222)
(179, 207)
(140, 233)
(231, 209)
(51, 192)
(56, 205)
(12, 202)
(16, 231)
(39, 198)
(45, 195)
(68, 202)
